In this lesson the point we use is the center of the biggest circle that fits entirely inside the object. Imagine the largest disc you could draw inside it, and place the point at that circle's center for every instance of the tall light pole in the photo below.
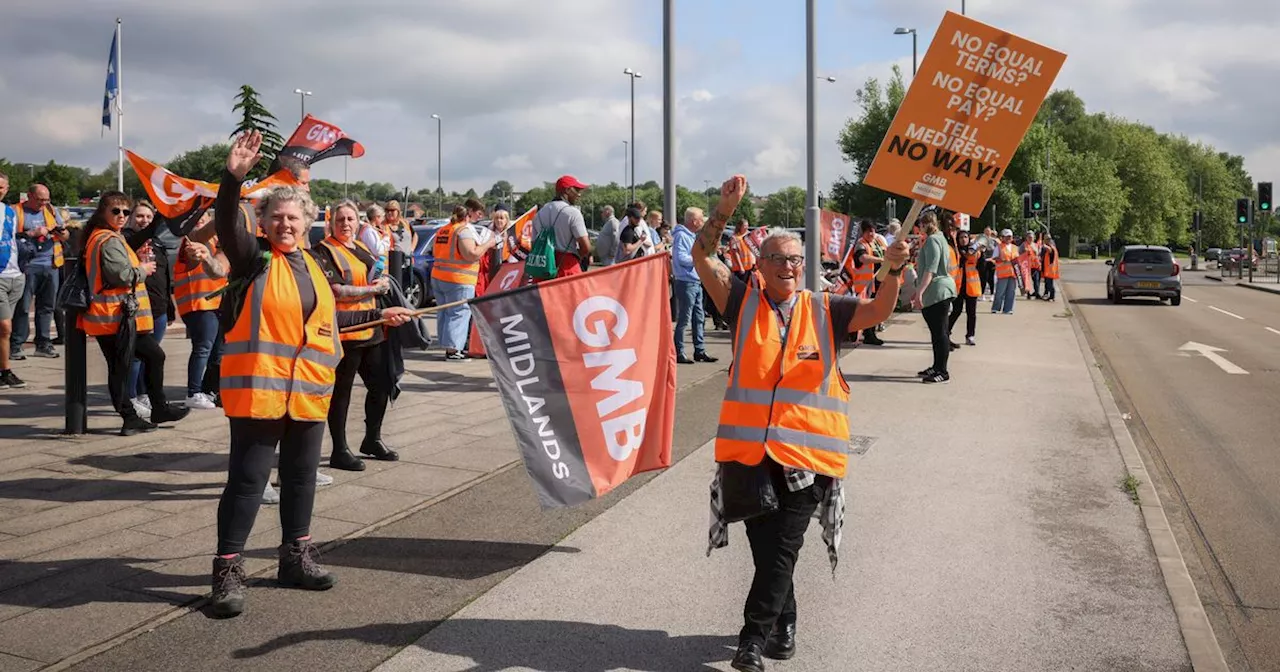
(962, 6)
(634, 76)
(625, 154)
(302, 99)
(706, 189)
(912, 32)
(439, 163)
(812, 246)
(668, 106)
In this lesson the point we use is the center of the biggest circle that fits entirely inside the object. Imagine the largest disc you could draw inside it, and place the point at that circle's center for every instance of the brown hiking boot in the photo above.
(228, 587)
(299, 567)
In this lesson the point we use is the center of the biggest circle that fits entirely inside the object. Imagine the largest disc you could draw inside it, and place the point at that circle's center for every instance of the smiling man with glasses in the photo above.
(784, 421)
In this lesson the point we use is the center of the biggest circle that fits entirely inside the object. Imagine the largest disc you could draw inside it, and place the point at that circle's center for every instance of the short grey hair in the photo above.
(690, 213)
(375, 211)
(347, 203)
(778, 236)
(606, 211)
(894, 227)
(288, 194)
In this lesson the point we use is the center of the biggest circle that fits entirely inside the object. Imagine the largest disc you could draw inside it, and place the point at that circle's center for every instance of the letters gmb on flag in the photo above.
(316, 140)
(586, 368)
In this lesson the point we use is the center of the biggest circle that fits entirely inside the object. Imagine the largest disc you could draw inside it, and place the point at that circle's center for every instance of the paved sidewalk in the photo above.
(987, 530)
(102, 534)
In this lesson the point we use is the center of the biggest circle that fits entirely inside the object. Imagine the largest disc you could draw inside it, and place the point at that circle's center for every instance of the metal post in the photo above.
(1200, 228)
(1048, 167)
(1249, 251)
(812, 244)
(962, 6)
(119, 115)
(914, 60)
(633, 138)
(625, 154)
(668, 108)
(439, 164)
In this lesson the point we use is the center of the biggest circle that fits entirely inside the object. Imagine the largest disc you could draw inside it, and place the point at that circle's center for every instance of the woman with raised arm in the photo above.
(785, 426)
(279, 358)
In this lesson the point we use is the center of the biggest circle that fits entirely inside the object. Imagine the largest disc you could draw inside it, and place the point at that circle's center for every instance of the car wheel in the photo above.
(1176, 300)
(414, 295)
(1115, 296)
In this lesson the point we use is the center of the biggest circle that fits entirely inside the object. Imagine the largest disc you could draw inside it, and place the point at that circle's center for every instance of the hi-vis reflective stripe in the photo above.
(267, 384)
(280, 350)
(785, 395)
(751, 306)
(460, 268)
(791, 436)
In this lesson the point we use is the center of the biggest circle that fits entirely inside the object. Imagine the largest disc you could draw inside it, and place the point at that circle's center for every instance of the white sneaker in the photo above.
(143, 406)
(270, 496)
(323, 479)
(200, 400)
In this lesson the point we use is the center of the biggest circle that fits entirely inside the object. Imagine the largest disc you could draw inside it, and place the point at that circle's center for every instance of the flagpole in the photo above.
(119, 114)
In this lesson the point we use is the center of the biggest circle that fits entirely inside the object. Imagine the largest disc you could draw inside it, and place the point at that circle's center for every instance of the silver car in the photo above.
(1144, 270)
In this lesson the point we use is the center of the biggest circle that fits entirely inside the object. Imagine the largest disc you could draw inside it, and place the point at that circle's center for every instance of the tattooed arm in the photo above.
(715, 276)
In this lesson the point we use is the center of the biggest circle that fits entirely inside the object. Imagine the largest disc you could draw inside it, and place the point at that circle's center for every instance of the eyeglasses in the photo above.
(121, 211)
(793, 260)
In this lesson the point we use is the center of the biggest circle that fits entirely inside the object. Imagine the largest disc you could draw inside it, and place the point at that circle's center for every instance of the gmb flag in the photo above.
(182, 200)
(317, 140)
(586, 368)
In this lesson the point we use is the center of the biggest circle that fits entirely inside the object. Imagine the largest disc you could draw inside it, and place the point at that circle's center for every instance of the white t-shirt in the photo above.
(8, 219)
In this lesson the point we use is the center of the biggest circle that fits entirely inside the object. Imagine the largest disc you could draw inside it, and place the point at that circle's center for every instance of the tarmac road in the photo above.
(1209, 434)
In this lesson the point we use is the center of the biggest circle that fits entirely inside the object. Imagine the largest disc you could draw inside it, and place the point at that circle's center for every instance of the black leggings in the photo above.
(253, 445)
(368, 362)
(145, 350)
(936, 317)
(964, 304)
(987, 276)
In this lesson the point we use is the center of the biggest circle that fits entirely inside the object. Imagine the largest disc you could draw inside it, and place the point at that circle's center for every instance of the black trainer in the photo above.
(134, 425)
(170, 412)
(937, 378)
(299, 567)
(229, 578)
(11, 379)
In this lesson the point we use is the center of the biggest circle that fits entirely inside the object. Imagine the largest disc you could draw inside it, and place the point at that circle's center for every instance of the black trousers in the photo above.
(1049, 290)
(968, 304)
(367, 362)
(936, 317)
(145, 350)
(253, 447)
(709, 307)
(987, 276)
(775, 540)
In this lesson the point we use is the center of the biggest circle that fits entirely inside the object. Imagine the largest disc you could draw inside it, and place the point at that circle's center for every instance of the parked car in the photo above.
(1213, 254)
(418, 293)
(1144, 270)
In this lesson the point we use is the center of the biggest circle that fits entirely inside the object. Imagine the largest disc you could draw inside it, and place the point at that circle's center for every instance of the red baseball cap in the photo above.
(569, 182)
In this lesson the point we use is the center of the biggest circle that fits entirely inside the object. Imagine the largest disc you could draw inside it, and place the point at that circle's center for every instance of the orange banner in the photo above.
(974, 97)
(176, 196)
(509, 276)
(835, 235)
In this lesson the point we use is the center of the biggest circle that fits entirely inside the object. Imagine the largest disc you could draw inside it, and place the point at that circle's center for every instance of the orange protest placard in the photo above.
(972, 100)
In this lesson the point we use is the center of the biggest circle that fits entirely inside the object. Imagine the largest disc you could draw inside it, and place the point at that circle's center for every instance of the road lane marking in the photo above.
(1211, 353)
(1187, 298)
(1224, 312)
(1272, 330)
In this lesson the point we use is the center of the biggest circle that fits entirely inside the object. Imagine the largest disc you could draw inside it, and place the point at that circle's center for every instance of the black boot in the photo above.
(299, 567)
(228, 587)
(168, 412)
(378, 450)
(748, 658)
(781, 644)
(344, 460)
(704, 357)
(134, 425)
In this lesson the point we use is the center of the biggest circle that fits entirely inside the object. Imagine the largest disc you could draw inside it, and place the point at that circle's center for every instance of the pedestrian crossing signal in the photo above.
(1037, 197)
(1264, 196)
(1242, 210)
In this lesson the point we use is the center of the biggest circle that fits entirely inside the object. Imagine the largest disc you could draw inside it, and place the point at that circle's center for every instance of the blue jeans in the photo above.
(40, 294)
(689, 307)
(206, 347)
(453, 324)
(136, 385)
(1006, 291)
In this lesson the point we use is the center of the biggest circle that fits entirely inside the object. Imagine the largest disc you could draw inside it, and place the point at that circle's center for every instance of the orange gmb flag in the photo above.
(508, 277)
(972, 100)
(175, 196)
(835, 235)
(585, 366)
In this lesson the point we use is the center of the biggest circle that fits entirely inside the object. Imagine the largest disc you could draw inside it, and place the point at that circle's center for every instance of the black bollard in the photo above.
(75, 376)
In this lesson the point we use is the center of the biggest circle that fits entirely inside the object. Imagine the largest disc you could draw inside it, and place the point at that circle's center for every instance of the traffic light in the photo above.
(1026, 207)
(1037, 197)
(1243, 211)
(1264, 196)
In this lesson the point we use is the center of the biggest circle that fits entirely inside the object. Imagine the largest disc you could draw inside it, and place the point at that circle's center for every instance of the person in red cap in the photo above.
(562, 214)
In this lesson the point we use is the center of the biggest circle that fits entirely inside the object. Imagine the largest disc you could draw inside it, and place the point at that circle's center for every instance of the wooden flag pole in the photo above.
(417, 313)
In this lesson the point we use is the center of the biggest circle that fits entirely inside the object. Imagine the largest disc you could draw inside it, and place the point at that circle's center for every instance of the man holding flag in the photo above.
(784, 422)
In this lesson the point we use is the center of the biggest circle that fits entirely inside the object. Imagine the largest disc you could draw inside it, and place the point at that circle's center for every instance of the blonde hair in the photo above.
(288, 194)
(929, 223)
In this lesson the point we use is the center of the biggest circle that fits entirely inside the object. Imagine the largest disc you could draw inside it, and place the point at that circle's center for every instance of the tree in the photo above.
(206, 163)
(784, 208)
(255, 117)
(861, 139)
(63, 182)
(500, 190)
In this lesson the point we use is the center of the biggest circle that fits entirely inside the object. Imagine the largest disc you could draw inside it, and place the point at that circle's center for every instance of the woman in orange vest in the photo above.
(199, 277)
(969, 284)
(784, 420)
(1049, 268)
(1005, 255)
(349, 265)
(279, 362)
(742, 261)
(457, 251)
(117, 282)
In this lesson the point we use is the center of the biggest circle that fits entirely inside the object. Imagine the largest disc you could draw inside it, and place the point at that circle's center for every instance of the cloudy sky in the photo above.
(532, 89)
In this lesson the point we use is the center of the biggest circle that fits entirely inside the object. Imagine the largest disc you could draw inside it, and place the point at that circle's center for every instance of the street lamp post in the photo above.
(625, 153)
(302, 99)
(439, 163)
(706, 189)
(634, 76)
(812, 246)
(912, 32)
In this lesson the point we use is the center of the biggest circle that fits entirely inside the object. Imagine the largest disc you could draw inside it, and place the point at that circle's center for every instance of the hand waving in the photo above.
(244, 154)
(731, 193)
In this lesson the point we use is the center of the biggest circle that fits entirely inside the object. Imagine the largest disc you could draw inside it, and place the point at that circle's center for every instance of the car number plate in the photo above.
(1148, 285)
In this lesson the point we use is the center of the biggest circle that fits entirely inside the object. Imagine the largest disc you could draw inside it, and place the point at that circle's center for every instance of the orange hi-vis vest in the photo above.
(741, 258)
(972, 281)
(1050, 271)
(957, 273)
(355, 273)
(785, 397)
(273, 362)
(102, 317)
(1033, 250)
(861, 277)
(193, 287)
(449, 265)
(50, 222)
(1004, 263)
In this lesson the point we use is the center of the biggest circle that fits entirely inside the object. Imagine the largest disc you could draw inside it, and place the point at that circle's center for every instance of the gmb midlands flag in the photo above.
(586, 368)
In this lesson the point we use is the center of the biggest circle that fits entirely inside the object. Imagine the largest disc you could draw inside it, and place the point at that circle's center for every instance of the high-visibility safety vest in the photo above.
(957, 273)
(1050, 270)
(741, 258)
(1033, 250)
(355, 273)
(786, 397)
(273, 362)
(861, 277)
(1004, 262)
(102, 317)
(50, 222)
(449, 265)
(193, 286)
(972, 281)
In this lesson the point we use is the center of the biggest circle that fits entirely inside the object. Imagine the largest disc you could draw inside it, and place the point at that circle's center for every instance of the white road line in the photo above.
(1229, 314)
(1272, 330)
(1187, 298)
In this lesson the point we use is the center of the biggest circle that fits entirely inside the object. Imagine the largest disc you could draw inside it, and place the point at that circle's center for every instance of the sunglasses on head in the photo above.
(121, 211)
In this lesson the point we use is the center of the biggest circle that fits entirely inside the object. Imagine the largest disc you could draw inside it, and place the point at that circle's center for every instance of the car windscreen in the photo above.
(1150, 257)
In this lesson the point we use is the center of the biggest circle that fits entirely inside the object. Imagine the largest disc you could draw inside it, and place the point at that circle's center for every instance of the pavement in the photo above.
(1199, 384)
(987, 530)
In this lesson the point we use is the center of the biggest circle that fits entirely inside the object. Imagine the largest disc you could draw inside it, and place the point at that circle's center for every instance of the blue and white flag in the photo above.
(113, 86)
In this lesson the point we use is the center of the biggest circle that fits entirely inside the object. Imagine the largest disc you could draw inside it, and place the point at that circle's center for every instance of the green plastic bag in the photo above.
(541, 262)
